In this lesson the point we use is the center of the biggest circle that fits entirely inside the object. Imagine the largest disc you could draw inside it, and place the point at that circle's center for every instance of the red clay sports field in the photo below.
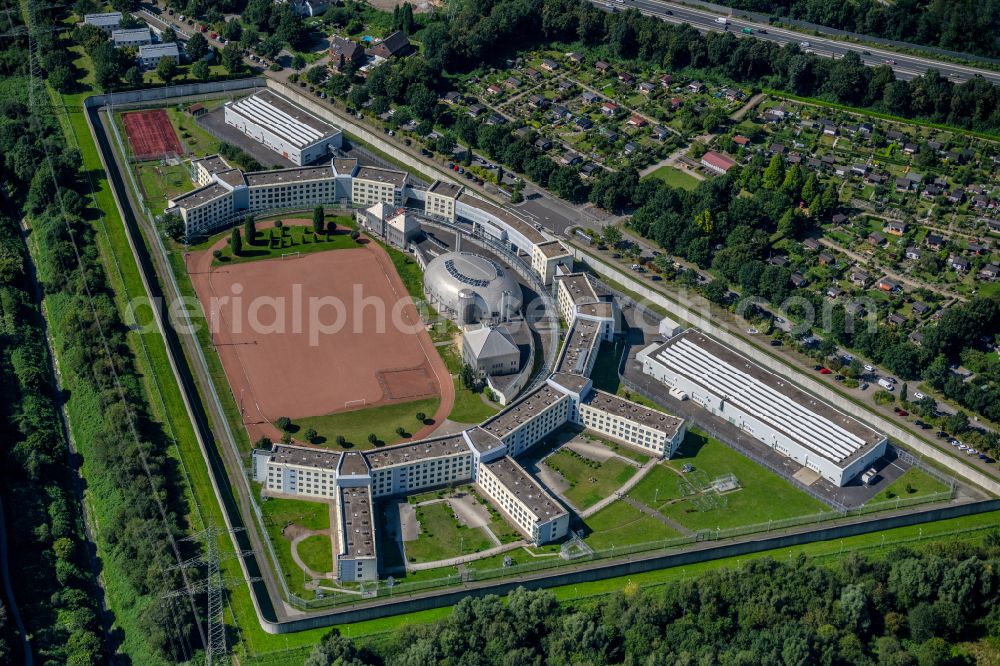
(282, 374)
(151, 135)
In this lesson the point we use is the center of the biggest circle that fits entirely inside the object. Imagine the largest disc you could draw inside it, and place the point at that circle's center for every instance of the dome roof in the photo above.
(482, 280)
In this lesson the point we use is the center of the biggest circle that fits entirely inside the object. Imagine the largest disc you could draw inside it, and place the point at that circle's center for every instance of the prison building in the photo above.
(580, 349)
(440, 199)
(150, 55)
(303, 187)
(288, 130)
(497, 223)
(631, 423)
(767, 407)
(203, 170)
(204, 208)
(296, 471)
(429, 463)
(106, 21)
(530, 419)
(545, 257)
(357, 559)
(525, 504)
(372, 185)
(490, 351)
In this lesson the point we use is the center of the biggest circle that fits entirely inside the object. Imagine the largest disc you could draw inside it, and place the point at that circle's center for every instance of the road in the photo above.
(904, 65)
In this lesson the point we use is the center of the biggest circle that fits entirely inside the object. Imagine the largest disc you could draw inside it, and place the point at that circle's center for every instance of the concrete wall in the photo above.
(149, 95)
(700, 317)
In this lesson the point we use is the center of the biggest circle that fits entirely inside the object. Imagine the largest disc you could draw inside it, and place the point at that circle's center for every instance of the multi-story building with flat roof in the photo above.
(545, 257)
(767, 407)
(106, 21)
(285, 128)
(525, 504)
(150, 55)
(440, 199)
(357, 559)
(131, 37)
(372, 185)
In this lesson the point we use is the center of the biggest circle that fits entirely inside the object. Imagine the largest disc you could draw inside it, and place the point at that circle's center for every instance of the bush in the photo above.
(283, 423)
(310, 435)
(263, 443)
(372, 438)
(421, 417)
(341, 440)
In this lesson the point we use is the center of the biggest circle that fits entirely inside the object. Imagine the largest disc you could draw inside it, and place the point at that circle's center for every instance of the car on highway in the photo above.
(890, 61)
(747, 31)
(804, 44)
(866, 53)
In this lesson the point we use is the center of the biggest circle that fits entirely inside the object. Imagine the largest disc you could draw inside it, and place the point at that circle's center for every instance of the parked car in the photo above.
(919, 396)
(825, 371)
(775, 343)
(863, 386)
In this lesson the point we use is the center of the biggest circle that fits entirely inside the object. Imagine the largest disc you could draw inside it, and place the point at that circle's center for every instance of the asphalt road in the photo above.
(905, 66)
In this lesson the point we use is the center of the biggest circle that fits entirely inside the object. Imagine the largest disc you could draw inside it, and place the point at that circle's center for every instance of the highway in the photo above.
(905, 66)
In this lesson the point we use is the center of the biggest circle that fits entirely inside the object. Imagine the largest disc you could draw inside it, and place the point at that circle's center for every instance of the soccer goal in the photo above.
(356, 404)
(292, 255)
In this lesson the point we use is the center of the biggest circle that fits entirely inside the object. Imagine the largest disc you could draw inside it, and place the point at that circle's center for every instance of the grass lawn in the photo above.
(589, 481)
(442, 537)
(409, 272)
(657, 488)
(272, 243)
(623, 451)
(316, 552)
(469, 407)
(621, 525)
(197, 141)
(357, 424)
(762, 496)
(675, 177)
(162, 182)
(913, 483)
(280, 512)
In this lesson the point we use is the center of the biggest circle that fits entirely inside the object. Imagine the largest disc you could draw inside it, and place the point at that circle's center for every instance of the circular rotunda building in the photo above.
(469, 288)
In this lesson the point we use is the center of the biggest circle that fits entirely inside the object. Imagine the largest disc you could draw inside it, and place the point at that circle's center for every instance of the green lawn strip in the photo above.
(275, 243)
(913, 483)
(162, 391)
(469, 406)
(675, 177)
(316, 552)
(197, 140)
(280, 513)
(660, 486)
(620, 524)
(589, 481)
(409, 272)
(620, 449)
(605, 372)
(356, 425)
(763, 495)
(240, 613)
(162, 182)
(441, 535)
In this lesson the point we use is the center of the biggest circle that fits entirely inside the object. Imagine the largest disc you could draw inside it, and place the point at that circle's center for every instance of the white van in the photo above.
(722, 20)
(886, 384)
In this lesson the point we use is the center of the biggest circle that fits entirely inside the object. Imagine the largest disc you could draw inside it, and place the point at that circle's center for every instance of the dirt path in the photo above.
(653, 513)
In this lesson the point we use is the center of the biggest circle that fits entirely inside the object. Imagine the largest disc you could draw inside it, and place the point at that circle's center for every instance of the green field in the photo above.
(658, 487)
(273, 243)
(310, 515)
(622, 525)
(912, 483)
(589, 481)
(356, 425)
(763, 495)
(469, 406)
(162, 182)
(441, 536)
(675, 178)
(316, 552)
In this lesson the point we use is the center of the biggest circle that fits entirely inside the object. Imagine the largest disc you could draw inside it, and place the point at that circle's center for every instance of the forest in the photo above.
(936, 607)
(968, 26)
(132, 484)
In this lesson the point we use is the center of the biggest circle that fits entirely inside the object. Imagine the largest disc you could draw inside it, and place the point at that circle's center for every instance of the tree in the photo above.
(401, 431)
(468, 376)
(232, 58)
(341, 440)
(903, 392)
(774, 174)
(217, 254)
(200, 70)
(236, 242)
(133, 78)
(421, 417)
(283, 423)
(298, 62)
(372, 438)
(310, 435)
(250, 229)
(612, 235)
(196, 47)
(319, 216)
(263, 443)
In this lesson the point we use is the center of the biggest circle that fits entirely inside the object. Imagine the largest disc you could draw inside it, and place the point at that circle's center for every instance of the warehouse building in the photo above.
(288, 130)
(794, 423)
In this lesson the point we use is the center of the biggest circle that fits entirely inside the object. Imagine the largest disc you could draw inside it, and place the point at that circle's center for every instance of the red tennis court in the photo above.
(151, 135)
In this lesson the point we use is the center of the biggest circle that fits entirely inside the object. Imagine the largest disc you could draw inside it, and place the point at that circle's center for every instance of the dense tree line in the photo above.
(906, 608)
(133, 484)
(6, 636)
(960, 25)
